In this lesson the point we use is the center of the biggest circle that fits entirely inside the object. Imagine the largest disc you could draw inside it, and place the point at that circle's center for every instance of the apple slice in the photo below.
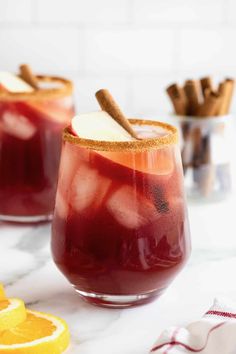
(13, 83)
(101, 126)
(98, 126)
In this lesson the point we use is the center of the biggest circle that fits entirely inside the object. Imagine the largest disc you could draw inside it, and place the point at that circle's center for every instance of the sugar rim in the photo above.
(136, 145)
(64, 90)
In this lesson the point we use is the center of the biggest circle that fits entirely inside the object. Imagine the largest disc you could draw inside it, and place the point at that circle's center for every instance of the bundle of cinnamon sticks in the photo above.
(199, 99)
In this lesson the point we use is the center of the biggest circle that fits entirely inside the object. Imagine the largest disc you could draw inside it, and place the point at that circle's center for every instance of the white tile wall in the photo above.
(178, 11)
(86, 86)
(82, 11)
(129, 50)
(133, 47)
(231, 11)
(149, 94)
(213, 49)
(47, 49)
(15, 11)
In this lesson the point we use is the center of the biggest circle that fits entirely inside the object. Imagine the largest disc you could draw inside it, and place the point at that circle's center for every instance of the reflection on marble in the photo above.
(27, 271)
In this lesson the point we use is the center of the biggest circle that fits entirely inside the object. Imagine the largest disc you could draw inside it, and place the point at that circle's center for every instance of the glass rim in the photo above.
(64, 90)
(171, 138)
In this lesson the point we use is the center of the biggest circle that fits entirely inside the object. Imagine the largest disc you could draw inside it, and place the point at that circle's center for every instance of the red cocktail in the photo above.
(120, 231)
(30, 144)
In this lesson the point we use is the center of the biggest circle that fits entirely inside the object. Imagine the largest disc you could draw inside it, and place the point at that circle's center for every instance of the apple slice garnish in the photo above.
(98, 126)
(101, 126)
(13, 83)
(49, 110)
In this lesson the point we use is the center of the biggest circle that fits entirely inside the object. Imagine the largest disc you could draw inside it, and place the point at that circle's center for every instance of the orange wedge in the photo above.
(2, 293)
(40, 333)
(12, 313)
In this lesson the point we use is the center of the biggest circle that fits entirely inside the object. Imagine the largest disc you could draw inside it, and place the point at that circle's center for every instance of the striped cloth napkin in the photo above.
(215, 333)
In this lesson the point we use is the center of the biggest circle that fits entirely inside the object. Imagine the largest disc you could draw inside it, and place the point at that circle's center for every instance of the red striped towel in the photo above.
(215, 333)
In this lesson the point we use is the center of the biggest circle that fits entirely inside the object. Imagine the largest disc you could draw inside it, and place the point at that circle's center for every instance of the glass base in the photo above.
(26, 219)
(119, 301)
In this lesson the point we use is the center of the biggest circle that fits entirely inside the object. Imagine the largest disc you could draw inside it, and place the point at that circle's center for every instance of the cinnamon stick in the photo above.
(204, 170)
(27, 75)
(108, 104)
(197, 147)
(226, 89)
(210, 106)
(178, 99)
(231, 84)
(192, 94)
(206, 83)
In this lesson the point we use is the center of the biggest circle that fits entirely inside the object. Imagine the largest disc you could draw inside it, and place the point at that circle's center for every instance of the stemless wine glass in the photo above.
(120, 231)
(30, 143)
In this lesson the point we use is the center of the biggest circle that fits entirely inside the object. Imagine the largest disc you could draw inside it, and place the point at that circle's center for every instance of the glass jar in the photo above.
(205, 149)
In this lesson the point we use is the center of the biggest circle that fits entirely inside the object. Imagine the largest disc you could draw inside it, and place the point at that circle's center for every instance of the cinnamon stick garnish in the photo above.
(192, 95)
(108, 104)
(206, 83)
(27, 75)
(178, 99)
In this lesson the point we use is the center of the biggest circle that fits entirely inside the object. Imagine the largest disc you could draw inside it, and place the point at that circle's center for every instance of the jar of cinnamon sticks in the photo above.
(202, 115)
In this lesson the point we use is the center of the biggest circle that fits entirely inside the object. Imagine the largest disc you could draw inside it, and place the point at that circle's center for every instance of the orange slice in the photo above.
(2, 293)
(12, 313)
(40, 333)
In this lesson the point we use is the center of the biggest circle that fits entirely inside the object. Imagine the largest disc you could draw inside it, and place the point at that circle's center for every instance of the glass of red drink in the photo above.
(120, 231)
(30, 145)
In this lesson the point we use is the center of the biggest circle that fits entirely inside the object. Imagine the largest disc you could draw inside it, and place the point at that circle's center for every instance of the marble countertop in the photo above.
(27, 271)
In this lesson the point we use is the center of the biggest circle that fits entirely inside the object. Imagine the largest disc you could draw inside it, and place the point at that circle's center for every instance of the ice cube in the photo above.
(17, 126)
(130, 208)
(88, 189)
(72, 156)
(62, 207)
(150, 132)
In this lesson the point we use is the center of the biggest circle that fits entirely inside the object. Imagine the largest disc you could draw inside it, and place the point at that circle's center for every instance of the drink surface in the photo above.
(30, 144)
(120, 225)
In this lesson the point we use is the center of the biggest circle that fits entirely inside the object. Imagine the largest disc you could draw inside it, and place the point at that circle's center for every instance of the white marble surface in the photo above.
(28, 272)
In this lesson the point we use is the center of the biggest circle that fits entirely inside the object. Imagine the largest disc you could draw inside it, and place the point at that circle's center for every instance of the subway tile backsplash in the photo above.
(133, 47)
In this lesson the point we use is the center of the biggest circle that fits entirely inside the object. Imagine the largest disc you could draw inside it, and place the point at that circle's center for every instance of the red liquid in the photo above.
(30, 144)
(118, 230)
